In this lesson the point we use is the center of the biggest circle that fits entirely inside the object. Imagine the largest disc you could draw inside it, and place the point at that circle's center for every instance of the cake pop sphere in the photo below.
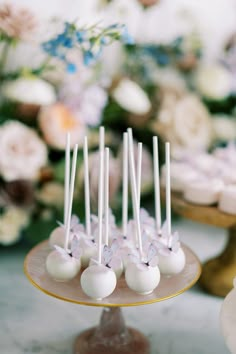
(118, 268)
(98, 281)
(62, 267)
(111, 258)
(228, 319)
(57, 237)
(173, 263)
(142, 273)
(89, 251)
(142, 281)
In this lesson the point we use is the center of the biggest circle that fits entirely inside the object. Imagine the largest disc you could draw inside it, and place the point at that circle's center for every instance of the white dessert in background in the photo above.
(228, 173)
(62, 267)
(226, 154)
(181, 173)
(227, 200)
(142, 281)
(204, 163)
(203, 191)
(98, 281)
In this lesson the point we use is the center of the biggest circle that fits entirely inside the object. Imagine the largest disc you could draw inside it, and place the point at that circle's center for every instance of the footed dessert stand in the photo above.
(111, 335)
(218, 273)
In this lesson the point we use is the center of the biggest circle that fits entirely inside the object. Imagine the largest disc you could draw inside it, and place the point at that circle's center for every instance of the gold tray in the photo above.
(34, 267)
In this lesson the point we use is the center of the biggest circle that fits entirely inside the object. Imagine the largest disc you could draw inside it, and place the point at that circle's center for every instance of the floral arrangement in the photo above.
(80, 77)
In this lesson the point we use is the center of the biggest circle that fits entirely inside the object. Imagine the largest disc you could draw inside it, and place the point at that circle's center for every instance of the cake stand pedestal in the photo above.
(218, 273)
(111, 335)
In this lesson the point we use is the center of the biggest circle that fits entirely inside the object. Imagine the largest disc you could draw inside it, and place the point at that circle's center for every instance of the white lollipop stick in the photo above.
(86, 188)
(125, 185)
(168, 190)
(131, 148)
(100, 192)
(139, 170)
(130, 134)
(70, 202)
(157, 184)
(106, 180)
(67, 177)
(135, 196)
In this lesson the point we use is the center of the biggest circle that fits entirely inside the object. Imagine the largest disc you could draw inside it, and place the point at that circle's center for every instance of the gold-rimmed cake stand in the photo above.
(218, 273)
(111, 335)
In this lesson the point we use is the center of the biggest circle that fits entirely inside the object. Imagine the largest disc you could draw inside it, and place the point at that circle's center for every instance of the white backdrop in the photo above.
(215, 19)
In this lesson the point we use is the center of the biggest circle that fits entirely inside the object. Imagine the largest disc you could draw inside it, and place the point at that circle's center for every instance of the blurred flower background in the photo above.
(161, 67)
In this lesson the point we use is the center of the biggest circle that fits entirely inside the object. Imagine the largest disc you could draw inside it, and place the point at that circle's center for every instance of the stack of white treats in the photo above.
(143, 248)
(206, 179)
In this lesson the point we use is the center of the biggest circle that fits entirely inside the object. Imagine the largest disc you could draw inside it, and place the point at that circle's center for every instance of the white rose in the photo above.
(224, 127)
(22, 152)
(186, 123)
(169, 78)
(213, 81)
(11, 223)
(131, 97)
(29, 90)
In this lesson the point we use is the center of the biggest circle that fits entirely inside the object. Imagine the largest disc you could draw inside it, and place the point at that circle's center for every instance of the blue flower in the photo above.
(126, 37)
(64, 40)
(80, 36)
(71, 68)
(88, 57)
(93, 37)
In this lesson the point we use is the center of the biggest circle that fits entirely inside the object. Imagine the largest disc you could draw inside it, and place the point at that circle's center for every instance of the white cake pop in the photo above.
(126, 244)
(173, 263)
(99, 281)
(57, 236)
(64, 264)
(89, 248)
(111, 258)
(171, 256)
(142, 275)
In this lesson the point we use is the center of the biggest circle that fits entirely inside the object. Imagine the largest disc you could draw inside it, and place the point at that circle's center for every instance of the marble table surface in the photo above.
(32, 322)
